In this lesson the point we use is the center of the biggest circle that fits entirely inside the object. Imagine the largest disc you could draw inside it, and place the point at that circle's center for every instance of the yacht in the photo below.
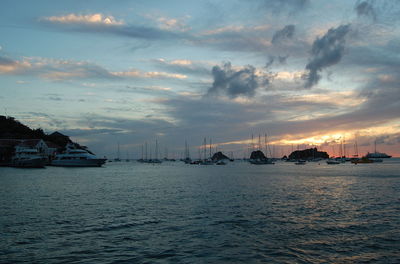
(74, 157)
(378, 155)
(25, 157)
(332, 162)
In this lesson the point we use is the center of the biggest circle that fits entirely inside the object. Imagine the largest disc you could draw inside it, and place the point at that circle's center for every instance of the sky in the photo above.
(304, 72)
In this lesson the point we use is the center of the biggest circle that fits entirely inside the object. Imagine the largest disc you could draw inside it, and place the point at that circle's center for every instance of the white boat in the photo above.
(332, 162)
(25, 157)
(73, 157)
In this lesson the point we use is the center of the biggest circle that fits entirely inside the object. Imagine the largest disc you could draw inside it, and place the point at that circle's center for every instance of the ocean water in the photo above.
(129, 212)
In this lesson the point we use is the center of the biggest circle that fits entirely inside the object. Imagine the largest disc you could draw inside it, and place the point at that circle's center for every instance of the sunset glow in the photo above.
(139, 71)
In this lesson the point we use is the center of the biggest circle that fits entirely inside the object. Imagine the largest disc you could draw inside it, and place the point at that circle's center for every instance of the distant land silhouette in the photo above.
(308, 154)
(12, 132)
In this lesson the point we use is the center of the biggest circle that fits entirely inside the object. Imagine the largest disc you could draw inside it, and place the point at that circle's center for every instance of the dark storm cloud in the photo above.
(381, 11)
(326, 51)
(284, 34)
(364, 8)
(234, 83)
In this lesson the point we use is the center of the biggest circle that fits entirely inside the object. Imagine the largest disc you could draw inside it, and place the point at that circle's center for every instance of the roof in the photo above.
(30, 142)
(52, 145)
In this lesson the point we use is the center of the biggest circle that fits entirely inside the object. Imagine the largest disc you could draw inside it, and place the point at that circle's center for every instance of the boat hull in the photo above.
(79, 163)
(29, 163)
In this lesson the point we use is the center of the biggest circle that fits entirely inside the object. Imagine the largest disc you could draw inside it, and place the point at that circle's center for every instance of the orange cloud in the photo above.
(97, 18)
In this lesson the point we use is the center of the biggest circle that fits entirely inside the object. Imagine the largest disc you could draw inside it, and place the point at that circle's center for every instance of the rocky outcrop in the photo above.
(308, 154)
(219, 156)
(258, 154)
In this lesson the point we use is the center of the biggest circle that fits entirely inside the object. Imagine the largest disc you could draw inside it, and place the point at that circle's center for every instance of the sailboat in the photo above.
(187, 158)
(117, 159)
(261, 160)
(206, 161)
(156, 160)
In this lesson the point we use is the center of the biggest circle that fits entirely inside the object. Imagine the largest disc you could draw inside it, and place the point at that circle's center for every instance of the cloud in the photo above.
(184, 66)
(326, 51)
(235, 82)
(289, 6)
(364, 8)
(150, 75)
(101, 24)
(60, 70)
(235, 38)
(171, 24)
(89, 131)
(384, 12)
(94, 19)
(284, 34)
(10, 66)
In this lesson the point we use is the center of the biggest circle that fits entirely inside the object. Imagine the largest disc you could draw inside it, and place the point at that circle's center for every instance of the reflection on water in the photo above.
(135, 213)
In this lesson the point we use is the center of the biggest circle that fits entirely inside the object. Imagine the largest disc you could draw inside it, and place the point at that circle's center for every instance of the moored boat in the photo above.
(300, 162)
(27, 158)
(377, 155)
(74, 157)
(332, 162)
(362, 160)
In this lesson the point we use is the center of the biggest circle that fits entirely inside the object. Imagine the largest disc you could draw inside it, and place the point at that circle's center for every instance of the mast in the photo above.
(355, 146)
(266, 144)
(210, 148)
(145, 143)
(118, 151)
(205, 148)
(156, 154)
(344, 146)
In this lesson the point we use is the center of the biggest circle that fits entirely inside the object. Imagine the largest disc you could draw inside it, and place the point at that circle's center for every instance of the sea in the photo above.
(129, 212)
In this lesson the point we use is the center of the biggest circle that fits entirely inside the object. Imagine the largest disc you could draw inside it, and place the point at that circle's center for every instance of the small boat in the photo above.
(74, 157)
(25, 157)
(300, 162)
(261, 161)
(220, 162)
(207, 162)
(332, 162)
(362, 160)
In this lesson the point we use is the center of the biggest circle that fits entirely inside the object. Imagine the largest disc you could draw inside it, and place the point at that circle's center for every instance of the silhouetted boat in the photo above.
(362, 160)
(300, 162)
(332, 162)
(25, 157)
